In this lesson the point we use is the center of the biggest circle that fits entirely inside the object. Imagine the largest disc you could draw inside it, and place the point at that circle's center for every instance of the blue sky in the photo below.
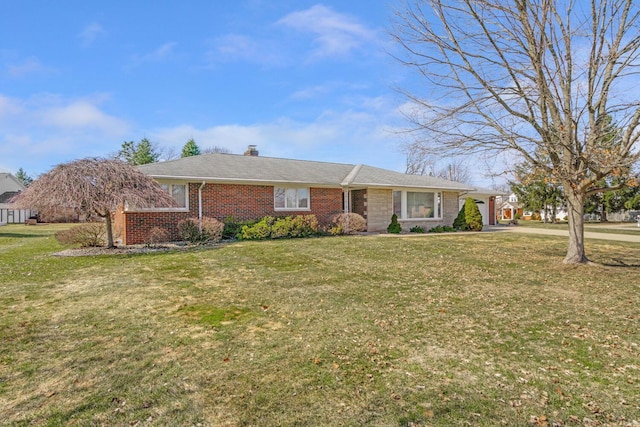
(299, 79)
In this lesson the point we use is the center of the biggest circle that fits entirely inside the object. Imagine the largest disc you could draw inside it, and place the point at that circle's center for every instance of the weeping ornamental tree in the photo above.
(94, 186)
(542, 79)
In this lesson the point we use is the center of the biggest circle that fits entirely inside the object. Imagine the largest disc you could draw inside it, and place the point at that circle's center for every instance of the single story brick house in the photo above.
(249, 187)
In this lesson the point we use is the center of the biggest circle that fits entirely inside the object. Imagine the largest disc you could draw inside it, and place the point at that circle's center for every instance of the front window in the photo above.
(290, 198)
(178, 192)
(417, 204)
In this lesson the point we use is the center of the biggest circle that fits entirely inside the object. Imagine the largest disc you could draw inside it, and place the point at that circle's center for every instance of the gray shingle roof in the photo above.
(255, 169)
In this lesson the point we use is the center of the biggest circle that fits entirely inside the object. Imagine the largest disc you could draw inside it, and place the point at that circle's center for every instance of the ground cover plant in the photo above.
(455, 329)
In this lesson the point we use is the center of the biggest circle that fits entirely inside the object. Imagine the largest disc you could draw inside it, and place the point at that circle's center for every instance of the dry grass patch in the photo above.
(481, 329)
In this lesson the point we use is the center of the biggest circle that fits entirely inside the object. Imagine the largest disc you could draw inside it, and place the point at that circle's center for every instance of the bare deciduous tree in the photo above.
(94, 186)
(537, 77)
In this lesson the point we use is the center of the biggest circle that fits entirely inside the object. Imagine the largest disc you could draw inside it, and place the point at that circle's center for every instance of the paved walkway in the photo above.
(634, 238)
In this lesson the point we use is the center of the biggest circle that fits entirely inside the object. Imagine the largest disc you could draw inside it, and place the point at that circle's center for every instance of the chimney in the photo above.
(251, 151)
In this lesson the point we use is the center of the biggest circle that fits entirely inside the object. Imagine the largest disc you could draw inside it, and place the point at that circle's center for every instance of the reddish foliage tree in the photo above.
(94, 186)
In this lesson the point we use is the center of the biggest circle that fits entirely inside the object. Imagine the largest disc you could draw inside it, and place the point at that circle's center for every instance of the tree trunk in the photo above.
(603, 217)
(575, 204)
(107, 218)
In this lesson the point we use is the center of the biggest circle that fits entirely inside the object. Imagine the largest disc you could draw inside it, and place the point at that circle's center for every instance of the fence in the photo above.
(623, 216)
(14, 216)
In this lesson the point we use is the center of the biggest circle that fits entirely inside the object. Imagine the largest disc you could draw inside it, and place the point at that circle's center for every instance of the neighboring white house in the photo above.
(9, 187)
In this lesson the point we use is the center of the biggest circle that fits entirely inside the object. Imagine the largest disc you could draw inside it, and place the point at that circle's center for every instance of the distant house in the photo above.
(250, 187)
(10, 186)
(508, 207)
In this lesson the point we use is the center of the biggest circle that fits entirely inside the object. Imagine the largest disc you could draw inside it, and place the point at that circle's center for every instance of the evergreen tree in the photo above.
(472, 215)
(138, 154)
(190, 149)
(22, 176)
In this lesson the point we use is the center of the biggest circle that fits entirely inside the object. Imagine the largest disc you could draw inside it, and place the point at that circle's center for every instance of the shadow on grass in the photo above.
(19, 235)
(618, 263)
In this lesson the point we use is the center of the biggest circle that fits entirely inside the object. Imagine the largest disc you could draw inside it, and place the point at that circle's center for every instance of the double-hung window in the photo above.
(291, 198)
(417, 204)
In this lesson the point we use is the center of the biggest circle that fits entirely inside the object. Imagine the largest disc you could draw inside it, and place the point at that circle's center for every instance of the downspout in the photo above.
(200, 204)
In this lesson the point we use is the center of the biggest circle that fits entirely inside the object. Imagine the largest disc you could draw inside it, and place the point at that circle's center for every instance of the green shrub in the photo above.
(200, 231)
(233, 227)
(395, 226)
(280, 228)
(472, 215)
(91, 234)
(416, 229)
(469, 217)
(460, 222)
(442, 229)
(347, 223)
(304, 226)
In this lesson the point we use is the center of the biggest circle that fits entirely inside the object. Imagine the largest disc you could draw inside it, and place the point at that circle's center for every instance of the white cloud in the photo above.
(82, 114)
(30, 65)
(336, 136)
(238, 47)
(162, 53)
(335, 34)
(90, 33)
(45, 130)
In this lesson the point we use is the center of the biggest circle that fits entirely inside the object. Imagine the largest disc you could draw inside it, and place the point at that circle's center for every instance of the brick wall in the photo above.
(220, 201)
(359, 202)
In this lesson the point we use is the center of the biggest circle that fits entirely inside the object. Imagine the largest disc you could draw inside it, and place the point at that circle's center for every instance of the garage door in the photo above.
(483, 206)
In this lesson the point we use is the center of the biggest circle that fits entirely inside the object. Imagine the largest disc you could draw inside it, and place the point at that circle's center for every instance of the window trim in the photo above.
(298, 208)
(169, 189)
(438, 213)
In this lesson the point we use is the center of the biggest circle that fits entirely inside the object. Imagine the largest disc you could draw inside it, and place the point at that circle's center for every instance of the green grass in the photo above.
(457, 329)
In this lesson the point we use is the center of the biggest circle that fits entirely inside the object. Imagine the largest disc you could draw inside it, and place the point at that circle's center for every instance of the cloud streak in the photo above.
(91, 33)
(335, 34)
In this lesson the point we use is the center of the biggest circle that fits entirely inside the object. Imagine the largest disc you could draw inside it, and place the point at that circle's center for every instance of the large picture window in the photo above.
(291, 198)
(417, 204)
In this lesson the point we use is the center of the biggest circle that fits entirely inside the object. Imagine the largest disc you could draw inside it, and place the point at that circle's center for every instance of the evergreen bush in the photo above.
(460, 223)
(395, 226)
(279, 228)
(472, 214)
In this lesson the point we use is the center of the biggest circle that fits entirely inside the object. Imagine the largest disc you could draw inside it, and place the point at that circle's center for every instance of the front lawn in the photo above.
(453, 329)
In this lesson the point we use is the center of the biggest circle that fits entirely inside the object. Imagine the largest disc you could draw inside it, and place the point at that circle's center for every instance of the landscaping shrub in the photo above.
(280, 228)
(258, 231)
(156, 236)
(460, 223)
(233, 227)
(442, 229)
(304, 226)
(200, 231)
(395, 226)
(416, 229)
(91, 234)
(347, 223)
(469, 217)
(472, 215)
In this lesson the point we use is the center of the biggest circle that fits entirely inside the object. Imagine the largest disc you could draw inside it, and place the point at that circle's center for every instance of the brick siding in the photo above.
(220, 201)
